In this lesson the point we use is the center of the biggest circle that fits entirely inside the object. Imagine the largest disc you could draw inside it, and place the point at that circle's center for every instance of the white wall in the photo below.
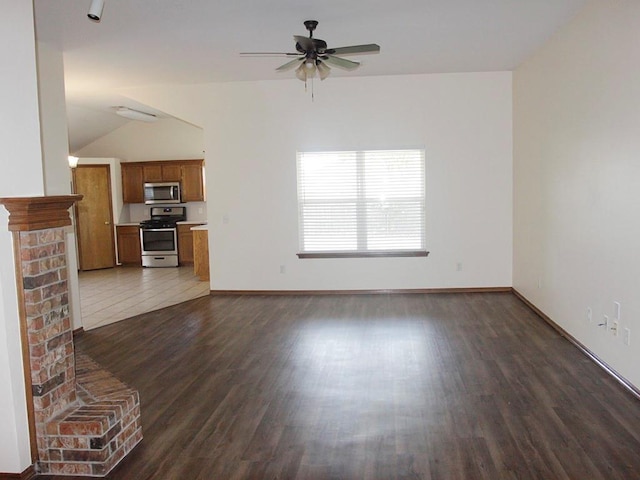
(253, 129)
(166, 139)
(21, 163)
(577, 178)
(55, 153)
(53, 111)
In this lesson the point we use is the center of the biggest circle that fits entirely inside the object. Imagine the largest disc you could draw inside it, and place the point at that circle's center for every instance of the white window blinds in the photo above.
(362, 201)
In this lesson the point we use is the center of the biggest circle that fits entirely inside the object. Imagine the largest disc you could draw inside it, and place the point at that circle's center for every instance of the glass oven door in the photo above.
(159, 241)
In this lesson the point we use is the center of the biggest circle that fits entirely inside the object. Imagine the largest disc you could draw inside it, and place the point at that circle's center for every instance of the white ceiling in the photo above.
(145, 42)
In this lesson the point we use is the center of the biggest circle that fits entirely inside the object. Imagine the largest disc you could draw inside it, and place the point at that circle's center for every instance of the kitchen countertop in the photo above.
(200, 227)
(130, 224)
(192, 222)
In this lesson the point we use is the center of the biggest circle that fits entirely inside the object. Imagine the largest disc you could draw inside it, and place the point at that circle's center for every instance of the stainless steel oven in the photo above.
(159, 247)
(159, 237)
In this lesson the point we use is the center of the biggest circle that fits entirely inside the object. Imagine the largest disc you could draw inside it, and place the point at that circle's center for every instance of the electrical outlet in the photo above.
(589, 314)
(627, 336)
(283, 269)
(614, 328)
(459, 266)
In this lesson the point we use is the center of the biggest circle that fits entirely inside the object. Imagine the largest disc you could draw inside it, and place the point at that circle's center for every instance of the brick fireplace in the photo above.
(82, 420)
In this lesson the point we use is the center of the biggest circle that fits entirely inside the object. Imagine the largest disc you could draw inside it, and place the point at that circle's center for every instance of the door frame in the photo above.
(77, 216)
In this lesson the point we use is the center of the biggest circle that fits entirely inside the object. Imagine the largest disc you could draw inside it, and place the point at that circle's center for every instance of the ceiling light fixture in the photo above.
(135, 114)
(95, 10)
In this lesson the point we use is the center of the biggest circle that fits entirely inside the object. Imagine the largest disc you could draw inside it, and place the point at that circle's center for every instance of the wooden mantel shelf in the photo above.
(39, 213)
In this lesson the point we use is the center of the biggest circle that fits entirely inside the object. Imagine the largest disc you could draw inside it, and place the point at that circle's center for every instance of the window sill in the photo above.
(373, 254)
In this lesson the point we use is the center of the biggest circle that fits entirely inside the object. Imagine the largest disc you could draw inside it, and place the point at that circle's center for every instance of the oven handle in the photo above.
(170, 229)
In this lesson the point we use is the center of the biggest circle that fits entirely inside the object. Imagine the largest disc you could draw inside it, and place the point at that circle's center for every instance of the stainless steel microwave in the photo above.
(165, 192)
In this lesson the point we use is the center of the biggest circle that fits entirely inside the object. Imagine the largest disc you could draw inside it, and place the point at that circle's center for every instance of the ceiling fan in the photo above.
(313, 56)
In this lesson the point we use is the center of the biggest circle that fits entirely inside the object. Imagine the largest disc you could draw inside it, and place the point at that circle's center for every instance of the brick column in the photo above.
(82, 421)
(41, 270)
(51, 354)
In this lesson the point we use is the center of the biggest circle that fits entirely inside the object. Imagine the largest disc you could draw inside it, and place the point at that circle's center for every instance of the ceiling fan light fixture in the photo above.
(310, 68)
(132, 114)
(301, 72)
(323, 70)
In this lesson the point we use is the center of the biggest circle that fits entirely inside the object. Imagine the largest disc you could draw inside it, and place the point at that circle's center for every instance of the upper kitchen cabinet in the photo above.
(192, 182)
(132, 183)
(188, 172)
(161, 173)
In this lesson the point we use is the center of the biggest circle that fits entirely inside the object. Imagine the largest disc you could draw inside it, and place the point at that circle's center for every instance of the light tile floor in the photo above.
(114, 294)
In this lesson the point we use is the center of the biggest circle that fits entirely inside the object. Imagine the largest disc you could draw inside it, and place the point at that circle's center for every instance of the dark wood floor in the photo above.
(439, 386)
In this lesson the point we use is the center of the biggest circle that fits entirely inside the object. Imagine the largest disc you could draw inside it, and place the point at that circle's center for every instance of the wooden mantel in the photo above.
(39, 213)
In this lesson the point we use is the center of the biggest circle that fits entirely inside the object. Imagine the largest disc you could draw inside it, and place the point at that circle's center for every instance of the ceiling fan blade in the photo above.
(289, 65)
(354, 49)
(341, 62)
(323, 70)
(269, 54)
(305, 43)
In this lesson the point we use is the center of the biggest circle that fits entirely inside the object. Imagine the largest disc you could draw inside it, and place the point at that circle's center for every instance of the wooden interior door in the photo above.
(94, 217)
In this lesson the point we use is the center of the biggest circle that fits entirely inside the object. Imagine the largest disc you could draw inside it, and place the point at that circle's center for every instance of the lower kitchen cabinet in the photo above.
(129, 251)
(201, 248)
(185, 243)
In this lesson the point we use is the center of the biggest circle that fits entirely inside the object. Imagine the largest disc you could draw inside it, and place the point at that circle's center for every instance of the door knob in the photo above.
(106, 223)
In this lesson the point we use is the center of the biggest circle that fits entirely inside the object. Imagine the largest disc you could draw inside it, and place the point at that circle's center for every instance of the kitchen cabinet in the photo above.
(201, 254)
(157, 172)
(192, 181)
(128, 239)
(189, 173)
(132, 183)
(152, 173)
(171, 172)
(185, 243)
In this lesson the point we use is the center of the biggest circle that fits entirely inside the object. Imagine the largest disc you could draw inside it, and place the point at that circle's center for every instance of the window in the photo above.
(361, 203)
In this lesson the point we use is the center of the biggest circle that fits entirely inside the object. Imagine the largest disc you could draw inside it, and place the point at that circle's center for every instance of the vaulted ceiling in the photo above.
(147, 42)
